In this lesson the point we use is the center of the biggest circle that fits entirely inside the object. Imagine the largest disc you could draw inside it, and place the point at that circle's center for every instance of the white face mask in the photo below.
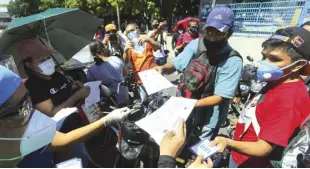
(47, 67)
(132, 35)
(39, 133)
(180, 31)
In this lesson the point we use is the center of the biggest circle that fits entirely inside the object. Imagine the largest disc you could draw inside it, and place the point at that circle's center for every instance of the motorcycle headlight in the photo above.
(244, 87)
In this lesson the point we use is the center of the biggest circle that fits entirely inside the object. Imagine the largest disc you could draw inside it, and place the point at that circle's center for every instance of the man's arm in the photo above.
(227, 81)
(182, 61)
(209, 101)
(155, 45)
(180, 45)
(260, 148)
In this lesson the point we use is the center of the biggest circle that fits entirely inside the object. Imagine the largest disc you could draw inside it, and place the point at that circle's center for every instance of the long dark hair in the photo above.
(96, 47)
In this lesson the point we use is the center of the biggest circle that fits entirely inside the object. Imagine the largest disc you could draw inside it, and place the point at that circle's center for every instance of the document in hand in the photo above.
(203, 148)
(94, 96)
(62, 115)
(167, 117)
(153, 81)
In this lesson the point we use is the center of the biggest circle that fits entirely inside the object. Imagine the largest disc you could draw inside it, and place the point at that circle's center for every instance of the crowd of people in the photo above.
(210, 69)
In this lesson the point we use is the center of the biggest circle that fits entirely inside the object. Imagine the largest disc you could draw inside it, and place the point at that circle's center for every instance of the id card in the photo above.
(203, 148)
(73, 163)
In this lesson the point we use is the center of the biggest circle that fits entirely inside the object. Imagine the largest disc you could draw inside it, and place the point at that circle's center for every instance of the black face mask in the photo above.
(98, 60)
(193, 31)
(155, 26)
(216, 46)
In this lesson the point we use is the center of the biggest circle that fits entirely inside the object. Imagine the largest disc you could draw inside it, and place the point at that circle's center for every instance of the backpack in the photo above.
(297, 153)
(198, 78)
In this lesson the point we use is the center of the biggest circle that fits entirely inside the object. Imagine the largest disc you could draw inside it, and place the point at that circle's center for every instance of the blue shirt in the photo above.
(227, 77)
(111, 74)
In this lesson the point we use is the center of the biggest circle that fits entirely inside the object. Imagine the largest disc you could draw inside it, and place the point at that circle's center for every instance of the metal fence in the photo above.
(262, 19)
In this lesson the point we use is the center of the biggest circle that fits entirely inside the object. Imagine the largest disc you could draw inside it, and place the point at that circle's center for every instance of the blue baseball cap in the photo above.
(222, 18)
(9, 82)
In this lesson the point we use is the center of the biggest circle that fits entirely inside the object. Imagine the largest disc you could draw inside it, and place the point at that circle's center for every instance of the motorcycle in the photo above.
(129, 145)
(247, 88)
(134, 144)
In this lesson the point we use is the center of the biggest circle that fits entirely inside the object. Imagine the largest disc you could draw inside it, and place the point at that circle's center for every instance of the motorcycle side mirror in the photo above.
(250, 58)
(105, 91)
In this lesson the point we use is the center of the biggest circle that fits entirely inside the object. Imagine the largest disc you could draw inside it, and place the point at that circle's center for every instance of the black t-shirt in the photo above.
(58, 89)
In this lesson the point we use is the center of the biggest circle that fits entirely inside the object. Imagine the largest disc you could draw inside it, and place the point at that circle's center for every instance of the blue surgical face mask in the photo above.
(132, 35)
(267, 72)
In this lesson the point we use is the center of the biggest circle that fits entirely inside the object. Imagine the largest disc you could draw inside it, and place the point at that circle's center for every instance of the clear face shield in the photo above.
(8, 62)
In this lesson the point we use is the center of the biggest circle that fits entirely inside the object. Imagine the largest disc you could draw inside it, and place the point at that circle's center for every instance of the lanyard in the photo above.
(248, 116)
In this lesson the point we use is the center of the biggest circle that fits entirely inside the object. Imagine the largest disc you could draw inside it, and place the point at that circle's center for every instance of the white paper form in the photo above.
(62, 115)
(94, 96)
(153, 81)
(167, 117)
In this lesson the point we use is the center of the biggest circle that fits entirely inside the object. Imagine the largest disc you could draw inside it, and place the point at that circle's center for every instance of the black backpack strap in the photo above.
(234, 53)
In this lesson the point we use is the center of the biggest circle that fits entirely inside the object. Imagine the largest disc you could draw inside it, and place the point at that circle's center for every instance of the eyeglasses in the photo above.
(17, 116)
(215, 33)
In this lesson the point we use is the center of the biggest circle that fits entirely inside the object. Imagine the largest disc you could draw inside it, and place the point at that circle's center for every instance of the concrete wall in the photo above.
(248, 47)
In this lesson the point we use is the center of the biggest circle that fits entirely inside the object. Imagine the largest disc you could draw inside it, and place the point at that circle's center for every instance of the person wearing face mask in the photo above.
(108, 69)
(50, 90)
(99, 35)
(211, 71)
(191, 34)
(27, 136)
(176, 36)
(274, 116)
(158, 34)
(139, 53)
(115, 41)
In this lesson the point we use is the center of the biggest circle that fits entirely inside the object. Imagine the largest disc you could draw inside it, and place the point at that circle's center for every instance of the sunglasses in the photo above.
(215, 33)
(113, 31)
(17, 116)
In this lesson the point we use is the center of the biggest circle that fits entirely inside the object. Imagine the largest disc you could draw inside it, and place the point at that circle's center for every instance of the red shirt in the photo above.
(186, 37)
(280, 111)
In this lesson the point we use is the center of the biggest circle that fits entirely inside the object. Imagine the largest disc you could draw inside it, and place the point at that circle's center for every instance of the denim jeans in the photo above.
(232, 163)
(161, 61)
(201, 128)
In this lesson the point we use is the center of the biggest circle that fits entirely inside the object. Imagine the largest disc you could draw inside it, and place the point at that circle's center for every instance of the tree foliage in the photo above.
(99, 8)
